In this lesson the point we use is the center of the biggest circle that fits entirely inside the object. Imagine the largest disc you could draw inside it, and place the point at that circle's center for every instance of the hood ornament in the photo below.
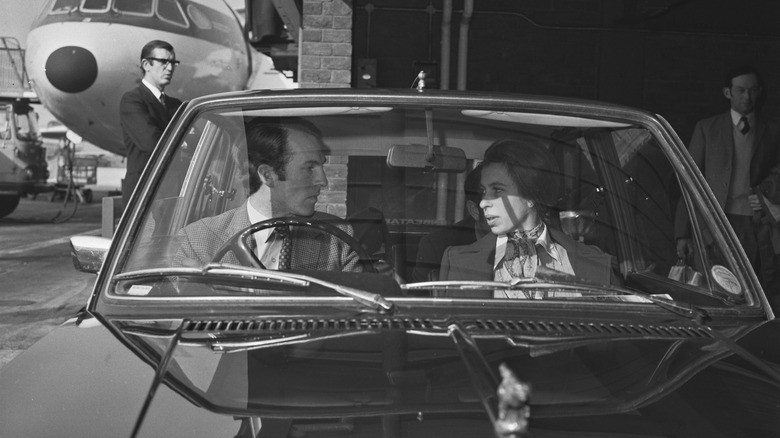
(513, 408)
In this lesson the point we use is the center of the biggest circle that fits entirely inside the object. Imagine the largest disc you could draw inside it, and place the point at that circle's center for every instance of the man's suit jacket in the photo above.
(143, 119)
(475, 261)
(712, 148)
(311, 249)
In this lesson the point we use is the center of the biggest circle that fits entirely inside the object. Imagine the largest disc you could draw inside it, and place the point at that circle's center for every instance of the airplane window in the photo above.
(198, 17)
(64, 6)
(170, 11)
(94, 5)
(134, 7)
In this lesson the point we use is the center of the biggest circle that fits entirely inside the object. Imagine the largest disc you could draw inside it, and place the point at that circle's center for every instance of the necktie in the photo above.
(284, 254)
(744, 125)
(520, 258)
(162, 99)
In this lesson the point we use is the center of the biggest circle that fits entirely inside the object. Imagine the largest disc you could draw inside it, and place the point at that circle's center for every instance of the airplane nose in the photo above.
(71, 69)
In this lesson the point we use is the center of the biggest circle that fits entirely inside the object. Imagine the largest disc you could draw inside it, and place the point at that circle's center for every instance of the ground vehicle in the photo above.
(234, 350)
(22, 155)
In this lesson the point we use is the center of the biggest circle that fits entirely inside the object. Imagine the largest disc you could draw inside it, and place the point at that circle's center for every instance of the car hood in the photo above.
(225, 378)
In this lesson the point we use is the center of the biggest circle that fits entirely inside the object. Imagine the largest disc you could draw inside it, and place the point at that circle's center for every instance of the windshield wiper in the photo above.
(546, 281)
(232, 346)
(371, 300)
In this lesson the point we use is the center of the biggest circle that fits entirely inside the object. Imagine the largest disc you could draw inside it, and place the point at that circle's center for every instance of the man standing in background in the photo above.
(145, 111)
(736, 151)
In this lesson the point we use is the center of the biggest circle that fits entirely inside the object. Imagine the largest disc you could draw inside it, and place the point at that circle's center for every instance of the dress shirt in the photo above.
(269, 245)
(156, 91)
(735, 118)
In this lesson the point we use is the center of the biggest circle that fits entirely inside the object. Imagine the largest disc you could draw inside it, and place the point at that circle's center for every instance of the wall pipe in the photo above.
(463, 48)
(442, 180)
(463, 43)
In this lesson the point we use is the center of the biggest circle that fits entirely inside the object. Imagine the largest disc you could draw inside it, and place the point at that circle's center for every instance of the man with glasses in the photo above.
(145, 111)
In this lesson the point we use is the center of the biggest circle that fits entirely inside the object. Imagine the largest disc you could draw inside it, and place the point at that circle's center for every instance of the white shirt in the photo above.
(269, 245)
(736, 117)
(156, 91)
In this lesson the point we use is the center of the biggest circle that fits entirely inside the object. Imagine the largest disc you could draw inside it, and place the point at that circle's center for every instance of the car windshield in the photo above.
(394, 176)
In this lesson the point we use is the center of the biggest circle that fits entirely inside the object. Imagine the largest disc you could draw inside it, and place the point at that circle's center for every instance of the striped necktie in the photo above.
(744, 125)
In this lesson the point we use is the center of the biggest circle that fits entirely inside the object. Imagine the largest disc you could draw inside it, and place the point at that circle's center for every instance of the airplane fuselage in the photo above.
(81, 61)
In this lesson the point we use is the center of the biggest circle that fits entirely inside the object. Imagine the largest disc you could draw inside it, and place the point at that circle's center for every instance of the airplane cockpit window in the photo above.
(170, 11)
(94, 5)
(134, 7)
(64, 6)
(198, 17)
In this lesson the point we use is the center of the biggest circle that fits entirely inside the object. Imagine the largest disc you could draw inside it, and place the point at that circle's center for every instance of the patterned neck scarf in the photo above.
(520, 258)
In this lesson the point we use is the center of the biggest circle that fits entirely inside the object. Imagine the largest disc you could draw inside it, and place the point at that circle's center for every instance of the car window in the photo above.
(618, 198)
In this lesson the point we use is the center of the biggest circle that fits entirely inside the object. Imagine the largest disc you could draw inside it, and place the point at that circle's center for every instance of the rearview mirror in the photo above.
(439, 159)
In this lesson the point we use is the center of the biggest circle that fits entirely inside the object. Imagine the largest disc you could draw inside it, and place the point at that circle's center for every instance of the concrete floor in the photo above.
(39, 288)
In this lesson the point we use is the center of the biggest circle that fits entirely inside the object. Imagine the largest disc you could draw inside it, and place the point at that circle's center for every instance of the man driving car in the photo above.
(286, 174)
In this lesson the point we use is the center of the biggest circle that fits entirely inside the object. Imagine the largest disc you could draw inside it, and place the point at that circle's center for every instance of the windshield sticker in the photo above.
(726, 280)
(139, 291)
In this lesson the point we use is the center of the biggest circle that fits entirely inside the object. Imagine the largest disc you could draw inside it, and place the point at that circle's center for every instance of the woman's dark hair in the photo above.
(533, 169)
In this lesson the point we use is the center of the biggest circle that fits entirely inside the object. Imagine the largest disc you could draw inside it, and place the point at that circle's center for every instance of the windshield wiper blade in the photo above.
(689, 311)
(545, 278)
(232, 346)
(368, 299)
(365, 298)
(217, 269)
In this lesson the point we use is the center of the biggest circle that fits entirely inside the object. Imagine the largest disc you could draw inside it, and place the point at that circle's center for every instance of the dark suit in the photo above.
(311, 249)
(712, 148)
(432, 247)
(475, 261)
(143, 119)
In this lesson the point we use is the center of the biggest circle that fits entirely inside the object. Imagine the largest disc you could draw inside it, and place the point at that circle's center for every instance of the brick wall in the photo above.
(326, 62)
(333, 199)
(326, 44)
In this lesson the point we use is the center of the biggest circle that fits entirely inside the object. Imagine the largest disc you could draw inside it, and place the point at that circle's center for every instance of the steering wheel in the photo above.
(239, 243)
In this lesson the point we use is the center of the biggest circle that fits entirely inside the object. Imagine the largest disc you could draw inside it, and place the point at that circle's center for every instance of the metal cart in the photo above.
(73, 173)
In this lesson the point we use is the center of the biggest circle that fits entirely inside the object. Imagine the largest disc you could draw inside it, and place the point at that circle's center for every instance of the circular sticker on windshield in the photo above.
(726, 280)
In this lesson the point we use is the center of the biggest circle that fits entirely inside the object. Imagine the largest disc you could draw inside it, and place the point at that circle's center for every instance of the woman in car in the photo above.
(520, 184)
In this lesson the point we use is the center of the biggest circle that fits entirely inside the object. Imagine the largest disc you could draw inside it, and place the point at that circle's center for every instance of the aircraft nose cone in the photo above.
(71, 69)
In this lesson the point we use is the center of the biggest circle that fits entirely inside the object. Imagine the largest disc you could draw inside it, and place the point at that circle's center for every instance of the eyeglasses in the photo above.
(165, 62)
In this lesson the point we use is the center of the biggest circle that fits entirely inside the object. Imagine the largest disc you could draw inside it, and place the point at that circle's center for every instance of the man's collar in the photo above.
(156, 91)
(254, 217)
(735, 116)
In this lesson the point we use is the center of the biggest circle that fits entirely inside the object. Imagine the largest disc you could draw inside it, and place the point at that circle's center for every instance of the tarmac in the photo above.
(39, 287)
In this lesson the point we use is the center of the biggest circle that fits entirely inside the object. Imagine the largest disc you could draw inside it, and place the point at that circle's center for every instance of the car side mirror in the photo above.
(436, 158)
(88, 252)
